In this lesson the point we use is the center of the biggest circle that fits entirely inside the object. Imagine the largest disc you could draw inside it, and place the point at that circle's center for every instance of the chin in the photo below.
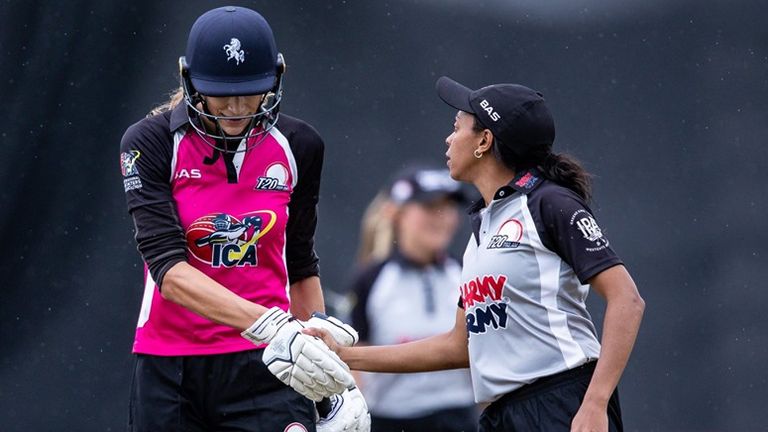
(455, 174)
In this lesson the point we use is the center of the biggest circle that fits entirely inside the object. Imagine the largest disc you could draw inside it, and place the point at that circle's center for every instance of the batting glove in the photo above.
(349, 413)
(344, 334)
(300, 361)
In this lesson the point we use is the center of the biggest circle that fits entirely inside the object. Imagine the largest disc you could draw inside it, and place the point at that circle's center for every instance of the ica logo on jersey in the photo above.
(222, 240)
(275, 178)
(491, 310)
(489, 109)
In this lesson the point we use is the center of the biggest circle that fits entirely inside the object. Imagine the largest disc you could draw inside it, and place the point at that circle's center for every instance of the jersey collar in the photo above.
(179, 116)
(524, 182)
(404, 261)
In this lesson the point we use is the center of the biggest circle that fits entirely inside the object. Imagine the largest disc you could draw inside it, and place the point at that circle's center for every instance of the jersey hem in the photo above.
(198, 350)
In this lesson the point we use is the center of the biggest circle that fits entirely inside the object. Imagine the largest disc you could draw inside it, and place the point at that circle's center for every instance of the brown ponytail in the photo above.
(566, 171)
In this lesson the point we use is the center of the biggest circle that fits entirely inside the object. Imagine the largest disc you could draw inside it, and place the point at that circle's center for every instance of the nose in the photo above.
(237, 105)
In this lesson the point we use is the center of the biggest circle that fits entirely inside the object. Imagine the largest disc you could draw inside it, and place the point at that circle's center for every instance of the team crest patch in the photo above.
(223, 240)
(128, 163)
(275, 178)
(508, 236)
(295, 427)
(233, 51)
(587, 226)
(131, 179)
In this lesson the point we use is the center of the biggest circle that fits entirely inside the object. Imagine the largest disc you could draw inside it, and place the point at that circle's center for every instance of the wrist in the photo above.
(342, 352)
(596, 400)
(266, 327)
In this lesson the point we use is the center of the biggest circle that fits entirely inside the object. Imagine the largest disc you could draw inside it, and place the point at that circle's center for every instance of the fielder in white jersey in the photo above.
(522, 325)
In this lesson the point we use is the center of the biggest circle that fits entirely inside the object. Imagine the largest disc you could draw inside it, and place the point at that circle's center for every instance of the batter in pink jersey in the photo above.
(223, 192)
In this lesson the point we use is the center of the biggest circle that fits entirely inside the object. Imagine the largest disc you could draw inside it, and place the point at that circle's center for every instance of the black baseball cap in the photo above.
(516, 115)
(425, 185)
(231, 51)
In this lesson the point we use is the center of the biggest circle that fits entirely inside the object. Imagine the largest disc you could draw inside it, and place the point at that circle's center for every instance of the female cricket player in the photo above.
(536, 249)
(223, 193)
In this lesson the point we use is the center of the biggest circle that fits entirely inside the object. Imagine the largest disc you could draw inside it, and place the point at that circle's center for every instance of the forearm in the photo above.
(192, 289)
(620, 328)
(306, 297)
(444, 351)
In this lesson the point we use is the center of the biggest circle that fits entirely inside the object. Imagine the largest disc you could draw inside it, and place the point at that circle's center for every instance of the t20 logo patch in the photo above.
(508, 236)
(275, 178)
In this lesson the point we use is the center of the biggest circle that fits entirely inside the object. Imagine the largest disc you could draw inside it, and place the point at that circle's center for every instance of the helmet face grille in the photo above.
(231, 51)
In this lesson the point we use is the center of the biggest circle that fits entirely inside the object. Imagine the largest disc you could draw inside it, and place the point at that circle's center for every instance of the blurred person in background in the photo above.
(405, 290)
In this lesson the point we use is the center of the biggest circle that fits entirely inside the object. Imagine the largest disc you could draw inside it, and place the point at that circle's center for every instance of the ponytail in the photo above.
(377, 231)
(175, 98)
(567, 172)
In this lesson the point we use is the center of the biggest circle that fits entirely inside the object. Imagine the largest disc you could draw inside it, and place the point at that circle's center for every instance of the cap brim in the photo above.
(454, 94)
(242, 88)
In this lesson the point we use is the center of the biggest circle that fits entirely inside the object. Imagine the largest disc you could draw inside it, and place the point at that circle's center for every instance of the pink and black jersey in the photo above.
(246, 219)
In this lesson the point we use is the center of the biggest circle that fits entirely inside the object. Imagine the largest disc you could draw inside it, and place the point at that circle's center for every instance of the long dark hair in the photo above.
(560, 168)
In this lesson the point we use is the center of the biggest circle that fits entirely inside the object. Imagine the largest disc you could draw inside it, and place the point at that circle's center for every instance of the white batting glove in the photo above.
(344, 334)
(301, 361)
(349, 413)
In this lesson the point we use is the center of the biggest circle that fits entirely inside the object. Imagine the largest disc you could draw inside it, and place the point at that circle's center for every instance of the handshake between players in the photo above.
(306, 364)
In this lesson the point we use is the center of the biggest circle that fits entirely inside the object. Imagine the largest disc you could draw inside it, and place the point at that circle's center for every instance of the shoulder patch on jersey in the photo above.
(128, 163)
(131, 179)
(587, 226)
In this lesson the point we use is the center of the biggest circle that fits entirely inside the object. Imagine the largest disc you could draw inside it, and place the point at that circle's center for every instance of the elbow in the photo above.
(637, 305)
(171, 284)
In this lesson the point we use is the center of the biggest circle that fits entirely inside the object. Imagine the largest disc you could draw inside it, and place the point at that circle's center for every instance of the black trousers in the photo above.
(548, 404)
(447, 420)
(227, 392)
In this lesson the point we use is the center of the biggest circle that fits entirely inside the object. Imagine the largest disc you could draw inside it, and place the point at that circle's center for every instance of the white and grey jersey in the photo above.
(399, 301)
(523, 287)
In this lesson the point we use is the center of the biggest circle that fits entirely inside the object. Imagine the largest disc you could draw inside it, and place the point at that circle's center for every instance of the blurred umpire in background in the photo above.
(405, 291)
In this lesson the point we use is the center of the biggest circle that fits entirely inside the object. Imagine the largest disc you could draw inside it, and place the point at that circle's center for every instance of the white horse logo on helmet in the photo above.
(234, 52)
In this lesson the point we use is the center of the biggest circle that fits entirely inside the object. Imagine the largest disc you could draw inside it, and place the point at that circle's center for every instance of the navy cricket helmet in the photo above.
(231, 51)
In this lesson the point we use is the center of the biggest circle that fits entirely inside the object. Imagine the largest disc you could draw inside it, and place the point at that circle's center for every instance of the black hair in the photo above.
(560, 168)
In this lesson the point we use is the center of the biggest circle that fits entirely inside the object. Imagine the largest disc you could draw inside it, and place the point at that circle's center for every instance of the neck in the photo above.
(491, 176)
(415, 253)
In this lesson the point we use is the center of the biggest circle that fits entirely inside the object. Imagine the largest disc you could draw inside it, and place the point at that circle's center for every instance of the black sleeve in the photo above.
(360, 291)
(571, 231)
(307, 148)
(145, 161)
